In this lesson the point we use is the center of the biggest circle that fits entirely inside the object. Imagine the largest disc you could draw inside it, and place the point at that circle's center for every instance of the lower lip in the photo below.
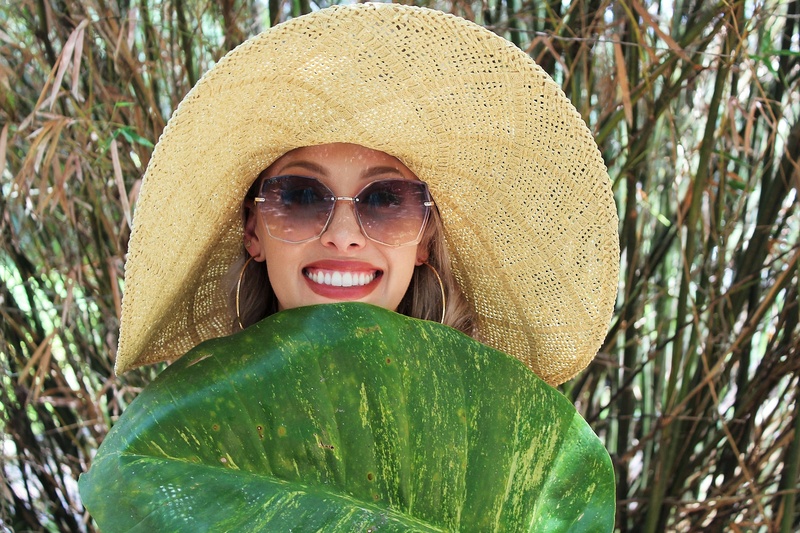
(343, 293)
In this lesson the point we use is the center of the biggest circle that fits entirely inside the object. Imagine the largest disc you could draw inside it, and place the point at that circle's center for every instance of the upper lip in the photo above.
(342, 266)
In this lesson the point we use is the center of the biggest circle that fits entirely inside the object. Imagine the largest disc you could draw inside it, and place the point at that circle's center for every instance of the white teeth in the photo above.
(341, 279)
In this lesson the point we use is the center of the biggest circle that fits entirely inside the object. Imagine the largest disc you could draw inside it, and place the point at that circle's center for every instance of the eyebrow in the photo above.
(308, 165)
(368, 174)
(377, 171)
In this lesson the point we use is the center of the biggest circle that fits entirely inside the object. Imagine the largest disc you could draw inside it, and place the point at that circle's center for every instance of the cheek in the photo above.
(402, 265)
(280, 259)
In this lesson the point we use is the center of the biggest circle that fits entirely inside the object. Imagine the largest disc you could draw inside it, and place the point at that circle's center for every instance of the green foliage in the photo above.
(348, 417)
(694, 106)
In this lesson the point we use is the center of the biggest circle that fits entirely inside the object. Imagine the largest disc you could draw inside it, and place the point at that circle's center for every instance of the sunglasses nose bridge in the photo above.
(352, 200)
(336, 221)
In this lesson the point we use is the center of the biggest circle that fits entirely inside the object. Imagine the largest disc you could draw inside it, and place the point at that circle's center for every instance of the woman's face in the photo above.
(319, 270)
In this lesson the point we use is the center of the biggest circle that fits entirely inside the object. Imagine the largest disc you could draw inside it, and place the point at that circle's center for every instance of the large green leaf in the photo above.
(347, 417)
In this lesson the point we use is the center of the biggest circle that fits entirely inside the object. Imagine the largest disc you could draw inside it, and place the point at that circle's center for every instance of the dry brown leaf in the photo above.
(44, 348)
(47, 157)
(123, 194)
(748, 128)
(3, 145)
(132, 20)
(113, 275)
(30, 164)
(68, 301)
(76, 61)
(134, 194)
(64, 59)
(622, 82)
(648, 19)
(549, 45)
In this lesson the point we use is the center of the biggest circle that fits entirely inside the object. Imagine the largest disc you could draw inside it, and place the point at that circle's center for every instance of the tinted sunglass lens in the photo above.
(295, 208)
(393, 211)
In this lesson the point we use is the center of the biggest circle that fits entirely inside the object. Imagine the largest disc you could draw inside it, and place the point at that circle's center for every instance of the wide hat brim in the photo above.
(529, 215)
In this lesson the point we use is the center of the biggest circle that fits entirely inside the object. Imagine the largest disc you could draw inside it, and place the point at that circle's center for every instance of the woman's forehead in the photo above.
(329, 160)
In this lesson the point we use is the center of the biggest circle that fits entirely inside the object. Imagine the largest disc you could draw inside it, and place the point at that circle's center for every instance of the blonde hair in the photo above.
(423, 299)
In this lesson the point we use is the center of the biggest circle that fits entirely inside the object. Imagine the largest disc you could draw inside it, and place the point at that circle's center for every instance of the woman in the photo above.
(396, 156)
(386, 248)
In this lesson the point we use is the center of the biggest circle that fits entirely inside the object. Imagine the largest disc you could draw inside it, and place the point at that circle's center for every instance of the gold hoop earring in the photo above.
(441, 287)
(238, 288)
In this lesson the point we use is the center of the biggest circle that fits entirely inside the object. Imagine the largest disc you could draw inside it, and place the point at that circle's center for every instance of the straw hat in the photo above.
(529, 215)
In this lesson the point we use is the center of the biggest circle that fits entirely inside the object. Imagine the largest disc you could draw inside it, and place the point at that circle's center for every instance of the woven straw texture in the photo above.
(529, 215)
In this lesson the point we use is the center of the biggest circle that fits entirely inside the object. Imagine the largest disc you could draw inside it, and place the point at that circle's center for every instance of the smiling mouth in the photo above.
(335, 278)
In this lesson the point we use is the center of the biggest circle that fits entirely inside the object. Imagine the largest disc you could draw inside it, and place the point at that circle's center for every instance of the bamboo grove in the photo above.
(696, 109)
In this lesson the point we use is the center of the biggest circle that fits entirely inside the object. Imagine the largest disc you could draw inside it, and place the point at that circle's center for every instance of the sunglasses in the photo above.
(298, 209)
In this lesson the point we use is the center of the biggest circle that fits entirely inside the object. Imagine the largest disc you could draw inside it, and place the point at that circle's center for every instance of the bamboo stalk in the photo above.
(186, 42)
(674, 434)
(788, 484)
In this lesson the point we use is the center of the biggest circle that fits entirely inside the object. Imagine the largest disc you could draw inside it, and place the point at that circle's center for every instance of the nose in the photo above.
(344, 231)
